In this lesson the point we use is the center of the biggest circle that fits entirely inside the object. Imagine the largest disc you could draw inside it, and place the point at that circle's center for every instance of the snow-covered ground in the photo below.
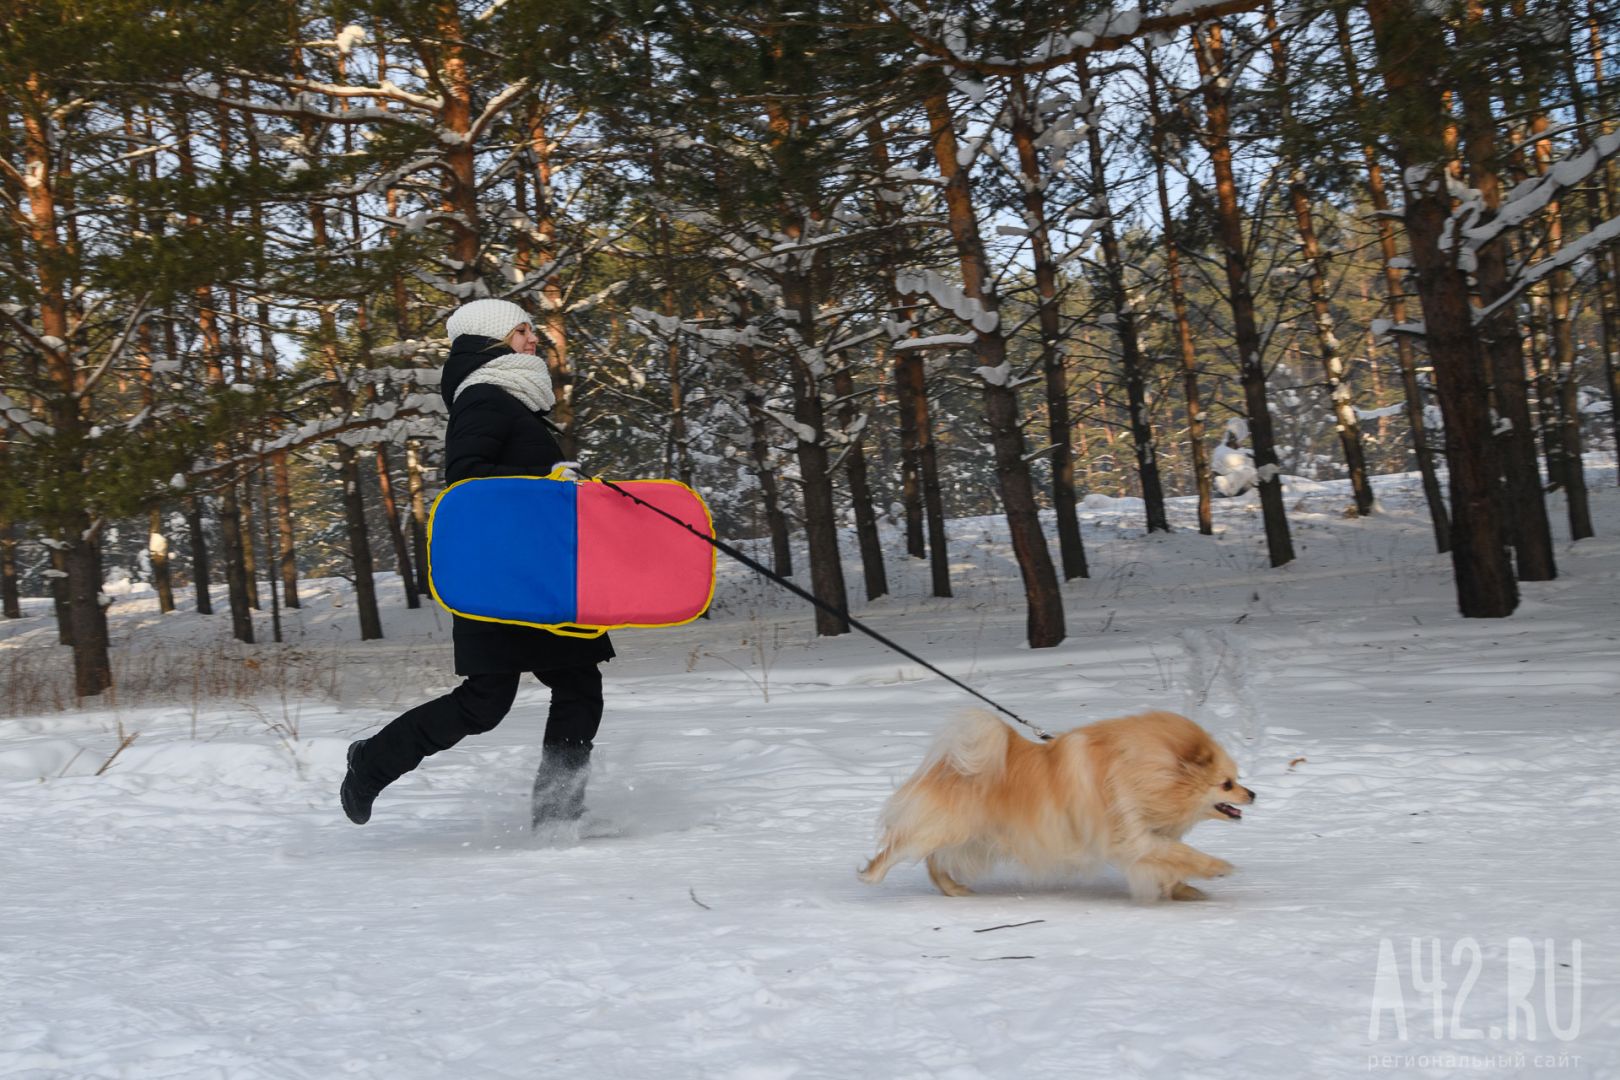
(203, 909)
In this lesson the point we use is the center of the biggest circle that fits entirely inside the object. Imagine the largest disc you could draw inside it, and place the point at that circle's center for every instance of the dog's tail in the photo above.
(975, 745)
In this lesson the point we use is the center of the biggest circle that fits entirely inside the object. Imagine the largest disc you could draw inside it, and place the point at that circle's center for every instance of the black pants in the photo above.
(474, 707)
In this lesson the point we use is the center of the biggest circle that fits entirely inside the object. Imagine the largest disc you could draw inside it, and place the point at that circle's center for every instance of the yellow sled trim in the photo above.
(573, 630)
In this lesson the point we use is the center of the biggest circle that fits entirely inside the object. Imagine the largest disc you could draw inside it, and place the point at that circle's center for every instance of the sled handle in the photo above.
(571, 630)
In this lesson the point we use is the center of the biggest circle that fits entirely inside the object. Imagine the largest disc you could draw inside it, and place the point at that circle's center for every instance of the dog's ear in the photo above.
(1197, 758)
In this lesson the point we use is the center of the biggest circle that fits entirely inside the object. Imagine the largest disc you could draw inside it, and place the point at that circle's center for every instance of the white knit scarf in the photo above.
(524, 377)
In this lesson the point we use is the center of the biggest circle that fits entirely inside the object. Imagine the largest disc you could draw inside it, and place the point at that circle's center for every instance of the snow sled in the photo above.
(573, 557)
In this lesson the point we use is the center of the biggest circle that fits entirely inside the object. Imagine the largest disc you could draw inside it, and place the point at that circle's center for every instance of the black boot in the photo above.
(559, 786)
(357, 797)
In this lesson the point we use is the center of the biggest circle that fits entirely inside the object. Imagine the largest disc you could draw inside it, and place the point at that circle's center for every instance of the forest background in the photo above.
(836, 263)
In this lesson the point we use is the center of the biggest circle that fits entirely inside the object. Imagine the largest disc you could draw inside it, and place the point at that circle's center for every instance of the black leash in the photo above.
(824, 606)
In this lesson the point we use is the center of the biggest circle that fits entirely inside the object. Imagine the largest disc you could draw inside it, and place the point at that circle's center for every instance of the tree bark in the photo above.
(396, 533)
(552, 325)
(1600, 204)
(460, 153)
(157, 542)
(211, 347)
(1043, 597)
(1499, 335)
(1178, 305)
(921, 494)
(1611, 203)
(852, 427)
(354, 516)
(419, 520)
(760, 451)
(199, 555)
(279, 479)
(86, 620)
(820, 515)
(1340, 393)
(1133, 366)
(354, 507)
(1439, 516)
(1407, 39)
(10, 592)
(1211, 64)
(1561, 355)
(1071, 548)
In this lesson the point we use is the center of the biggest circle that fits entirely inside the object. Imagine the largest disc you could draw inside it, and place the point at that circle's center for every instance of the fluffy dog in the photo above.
(1120, 791)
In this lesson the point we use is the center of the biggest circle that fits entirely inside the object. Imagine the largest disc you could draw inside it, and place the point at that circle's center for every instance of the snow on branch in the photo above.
(379, 422)
(14, 414)
(210, 92)
(937, 341)
(803, 432)
(1533, 196)
(499, 104)
(943, 39)
(384, 89)
(1565, 256)
(947, 296)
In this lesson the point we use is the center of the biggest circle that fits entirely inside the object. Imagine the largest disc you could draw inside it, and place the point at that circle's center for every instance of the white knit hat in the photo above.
(488, 318)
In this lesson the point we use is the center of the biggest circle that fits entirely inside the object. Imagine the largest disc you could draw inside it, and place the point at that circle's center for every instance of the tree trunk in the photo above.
(250, 562)
(903, 310)
(265, 519)
(1500, 338)
(1044, 599)
(157, 543)
(354, 516)
(1133, 366)
(460, 153)
(1340, 394)
(552, 325)
(1561, 354)
(199, 555)
(911, 502)
(1600, 205)
(760, 450)
(279, 479)
(85, 622)
(212, 350)
(921, 495)
(1439, 516)
(419, 530)
(354, 507)
(61, 599)
(230, 534)
(1178, 306)
(10, 593)
(1211, 64)
(917, 429)
(933, 492)
(860, 491)
(1611, 203)
(157, 547)
(396, 532)
(287, 550)
(1407, 39)
(92, 659)
(820, 515)
(1071, 548)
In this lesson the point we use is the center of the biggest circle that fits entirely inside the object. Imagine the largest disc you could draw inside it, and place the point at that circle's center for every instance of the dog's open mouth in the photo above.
(1230, 811)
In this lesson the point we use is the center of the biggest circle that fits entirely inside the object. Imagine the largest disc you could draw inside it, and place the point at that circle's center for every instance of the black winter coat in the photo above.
(492, 434)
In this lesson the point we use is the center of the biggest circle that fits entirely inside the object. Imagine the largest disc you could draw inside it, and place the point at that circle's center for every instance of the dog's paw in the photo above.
(1183, 891)
(1214, 867)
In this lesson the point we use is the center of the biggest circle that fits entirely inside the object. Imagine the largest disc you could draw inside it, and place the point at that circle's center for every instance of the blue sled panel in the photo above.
(506, 549)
